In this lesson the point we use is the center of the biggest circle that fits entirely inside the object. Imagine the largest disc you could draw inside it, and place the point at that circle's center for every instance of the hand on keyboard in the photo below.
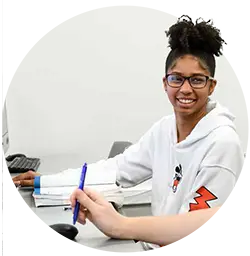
(25, 179)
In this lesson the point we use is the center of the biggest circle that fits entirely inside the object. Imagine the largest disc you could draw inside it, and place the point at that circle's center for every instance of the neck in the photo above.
(186, 123)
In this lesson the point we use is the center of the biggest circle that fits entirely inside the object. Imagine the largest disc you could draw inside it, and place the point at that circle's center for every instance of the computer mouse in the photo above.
(66, 230)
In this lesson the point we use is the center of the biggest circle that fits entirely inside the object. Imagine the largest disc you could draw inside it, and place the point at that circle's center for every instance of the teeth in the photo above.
(185, 101)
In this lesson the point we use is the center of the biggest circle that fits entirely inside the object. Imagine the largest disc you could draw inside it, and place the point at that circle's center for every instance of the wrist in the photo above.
(125, 229)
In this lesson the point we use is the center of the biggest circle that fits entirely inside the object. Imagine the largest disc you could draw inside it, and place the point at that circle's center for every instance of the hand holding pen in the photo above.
(81, 186)
(99, 211)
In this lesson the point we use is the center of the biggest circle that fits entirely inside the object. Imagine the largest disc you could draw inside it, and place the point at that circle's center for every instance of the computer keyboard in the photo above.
(23, 164)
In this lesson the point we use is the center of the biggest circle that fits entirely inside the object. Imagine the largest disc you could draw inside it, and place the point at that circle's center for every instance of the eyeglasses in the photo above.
(195, 81)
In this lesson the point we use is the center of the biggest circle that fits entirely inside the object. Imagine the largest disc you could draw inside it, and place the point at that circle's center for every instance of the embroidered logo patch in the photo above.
(202, 199)
(177, 178)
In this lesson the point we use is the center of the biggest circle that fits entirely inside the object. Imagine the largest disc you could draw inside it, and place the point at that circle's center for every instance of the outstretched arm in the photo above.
(161, 230)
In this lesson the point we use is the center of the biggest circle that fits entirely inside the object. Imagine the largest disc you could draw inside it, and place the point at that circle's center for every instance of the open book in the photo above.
(55, 189)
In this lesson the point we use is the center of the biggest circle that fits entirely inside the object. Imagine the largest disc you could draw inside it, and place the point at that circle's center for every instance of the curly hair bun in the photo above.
(199, 36)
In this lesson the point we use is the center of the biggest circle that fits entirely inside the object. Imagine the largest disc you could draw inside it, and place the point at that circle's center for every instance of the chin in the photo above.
(184, 111)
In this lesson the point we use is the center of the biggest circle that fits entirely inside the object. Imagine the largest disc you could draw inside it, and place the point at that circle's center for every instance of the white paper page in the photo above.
(50, 191)
(58, 196)
(102, 172)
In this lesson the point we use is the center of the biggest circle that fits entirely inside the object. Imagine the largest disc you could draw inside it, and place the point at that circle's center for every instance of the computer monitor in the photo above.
(4, 137)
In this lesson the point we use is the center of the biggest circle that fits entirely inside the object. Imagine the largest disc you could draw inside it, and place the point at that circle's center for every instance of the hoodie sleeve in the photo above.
(217, 175)
(128, 169)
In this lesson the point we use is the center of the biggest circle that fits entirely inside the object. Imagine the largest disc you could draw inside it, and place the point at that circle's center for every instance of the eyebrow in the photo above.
(193, 74)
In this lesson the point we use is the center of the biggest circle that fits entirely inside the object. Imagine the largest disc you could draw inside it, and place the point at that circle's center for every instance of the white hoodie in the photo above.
(199, 172)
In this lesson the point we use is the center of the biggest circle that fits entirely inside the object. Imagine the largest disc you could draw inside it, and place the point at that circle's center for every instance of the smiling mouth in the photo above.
(186, 101)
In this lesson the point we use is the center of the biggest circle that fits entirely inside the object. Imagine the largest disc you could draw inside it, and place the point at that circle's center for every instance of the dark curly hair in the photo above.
(199, 39)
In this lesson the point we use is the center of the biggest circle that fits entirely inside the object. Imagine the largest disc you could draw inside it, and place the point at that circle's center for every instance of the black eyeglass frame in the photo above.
(188, 78)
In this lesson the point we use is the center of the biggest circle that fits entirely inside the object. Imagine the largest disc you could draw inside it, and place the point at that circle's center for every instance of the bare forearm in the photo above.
(160, 230)
(164, 230)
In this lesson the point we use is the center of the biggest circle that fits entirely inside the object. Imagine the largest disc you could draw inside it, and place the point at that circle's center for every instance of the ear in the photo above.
(212, 87)
(165, 83)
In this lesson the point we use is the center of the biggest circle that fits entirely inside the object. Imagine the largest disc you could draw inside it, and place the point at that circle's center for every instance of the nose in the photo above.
(186, 87)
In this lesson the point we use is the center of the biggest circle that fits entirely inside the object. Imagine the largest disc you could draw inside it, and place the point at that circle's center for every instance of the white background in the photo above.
(86, 73)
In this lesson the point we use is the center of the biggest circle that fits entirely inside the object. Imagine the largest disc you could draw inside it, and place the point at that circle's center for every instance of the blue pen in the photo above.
(81, 185)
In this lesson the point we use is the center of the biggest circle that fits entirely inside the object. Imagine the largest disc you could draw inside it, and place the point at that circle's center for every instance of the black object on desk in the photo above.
(19, 163)
(67, 230)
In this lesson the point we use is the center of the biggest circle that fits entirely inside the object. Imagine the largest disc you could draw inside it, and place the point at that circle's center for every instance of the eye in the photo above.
(175, 79)
(198, 79)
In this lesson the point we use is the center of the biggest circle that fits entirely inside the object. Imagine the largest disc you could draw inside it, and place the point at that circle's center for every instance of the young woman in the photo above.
(193, 156)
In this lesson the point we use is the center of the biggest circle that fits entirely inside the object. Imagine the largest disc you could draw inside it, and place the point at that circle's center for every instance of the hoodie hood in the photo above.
(216, 117)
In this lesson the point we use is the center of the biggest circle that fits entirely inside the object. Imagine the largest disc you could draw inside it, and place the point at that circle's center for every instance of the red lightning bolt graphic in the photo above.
(201, 200)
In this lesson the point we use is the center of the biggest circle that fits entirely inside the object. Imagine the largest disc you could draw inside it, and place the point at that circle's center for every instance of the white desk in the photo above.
(88, 234)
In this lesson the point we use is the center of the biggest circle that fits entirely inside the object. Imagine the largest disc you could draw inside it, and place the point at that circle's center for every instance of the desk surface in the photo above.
(88, 234)
(32, 230)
